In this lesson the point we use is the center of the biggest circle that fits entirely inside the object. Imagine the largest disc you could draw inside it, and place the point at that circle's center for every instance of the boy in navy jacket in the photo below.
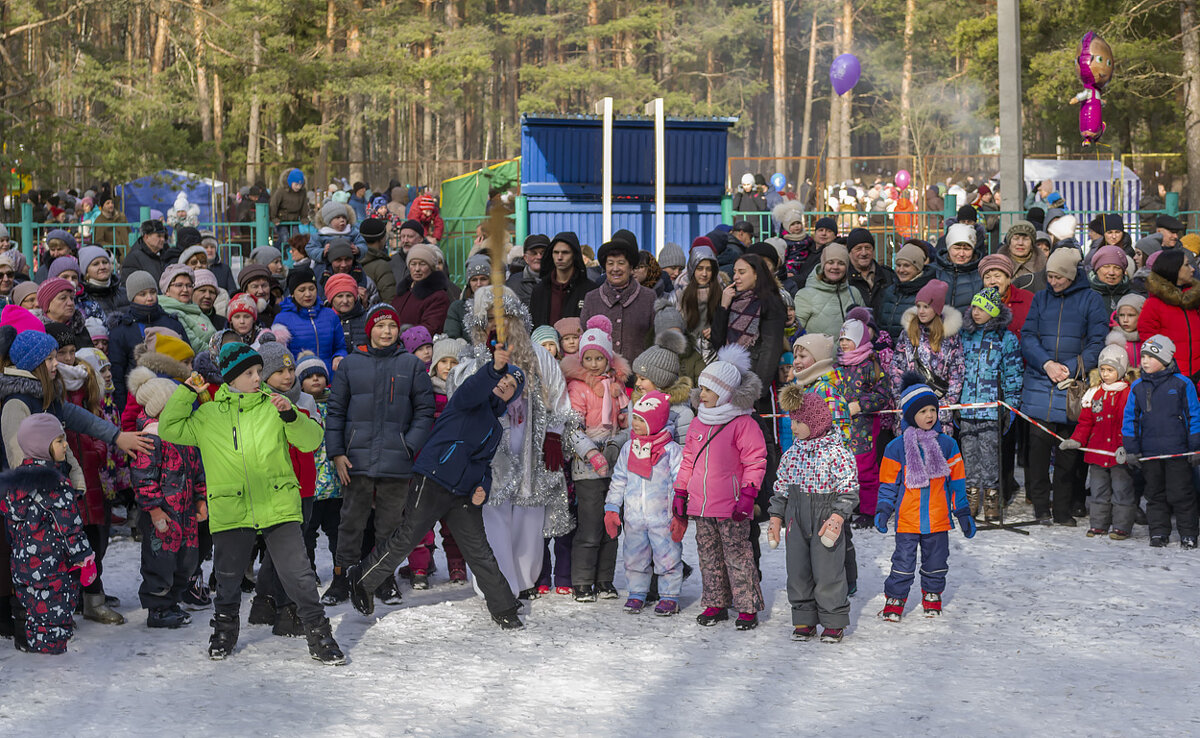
(452, 479)
(1162, 416)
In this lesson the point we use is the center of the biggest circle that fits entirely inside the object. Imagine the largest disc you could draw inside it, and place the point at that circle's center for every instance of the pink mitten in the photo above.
(743, 507)
(612, 523)
(678, 529)
(87, 570)
(599, 463)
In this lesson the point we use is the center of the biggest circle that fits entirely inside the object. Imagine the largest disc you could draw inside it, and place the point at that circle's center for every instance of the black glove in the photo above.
(288, 415)
(1194, 459)
(1133, 461)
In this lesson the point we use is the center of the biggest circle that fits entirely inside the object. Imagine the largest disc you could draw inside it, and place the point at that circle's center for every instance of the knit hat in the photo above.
(332, 209)
(598, 336)
(827, 222)
(308, 364)
(138, 282)
(445, 347)
(1106, 255)
(64, 264)
(191, 251)
(93, 357)
(295, 177)
(544, 334)
(169, 344)
(72, 244)
(1041, 236)
(859, 236)
(1110, 222)
(818, 345)
(1063, 262)
(478, 266)
(989, 301)
(372, 229)
(413, 225)
(721, 378)
(997, 261)
(416, 337)
(1063, 227)
(242, 302)
(519, 376)
(339, 283)
(960, 233)
(154, 225)
(808, 408)
(667, 317)
(171, 272)
(1116, 357)
(1166, 265)
(236, 358)
(61, 334)
(913, 254)
(1020, 228)
(20, 319)
(251, 272)
(264, 255)
(654, 408)
(915, 396)
(422, 252)
(96, 328)
(378, 312)
(568, 327)
(275, 356)
(1160, 347)
(855, 330)
(30, 348)
(204, 278)
(1191, 242)
(660, 363)
(50, 289)
(671, 255)
(966, 212)
(835, 252)
(933, 294)
(300, 276)
(36, 433)
(151, 392)
(1132, 300)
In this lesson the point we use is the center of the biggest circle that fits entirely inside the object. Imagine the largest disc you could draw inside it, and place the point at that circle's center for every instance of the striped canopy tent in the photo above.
(1090, 187)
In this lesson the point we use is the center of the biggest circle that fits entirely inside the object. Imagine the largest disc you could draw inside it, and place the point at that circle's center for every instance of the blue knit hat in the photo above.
(295, 177)
(519, 375)
(915, 396)
(30, 348)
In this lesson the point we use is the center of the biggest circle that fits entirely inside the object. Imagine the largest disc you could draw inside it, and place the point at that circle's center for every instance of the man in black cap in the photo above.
(867, 274)
(523, 281)
(1170, 228)
(410, 232)
(143, 255)
(743, 231)
(376, 263)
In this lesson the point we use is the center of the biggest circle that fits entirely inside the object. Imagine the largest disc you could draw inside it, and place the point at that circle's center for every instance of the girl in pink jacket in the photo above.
(724, 460)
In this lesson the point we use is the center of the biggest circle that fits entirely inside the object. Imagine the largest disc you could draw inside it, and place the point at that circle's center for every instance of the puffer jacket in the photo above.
(821, 307)
(896, 299)
(92, 455)
(455, 315)
(243, 441)
(947, 362)
(647, 502)
(127, 329)
(1100, 422)
(993, 365)
(1065, 327)
(380, 412)
(1162, 415)
(43, 523)
(199, 328)
(108, 299)
(867, 384)
(817, 466)
(586, 391)
(964, 279)
(354, 327)
(1175, 313)
(170, 478)
(140, 258)
(715, 476)
(317, 329)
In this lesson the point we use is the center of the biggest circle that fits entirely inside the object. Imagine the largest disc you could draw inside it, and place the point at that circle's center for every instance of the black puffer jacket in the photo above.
(573, 292)
(380, 412)
(127, 329)
(898, 297)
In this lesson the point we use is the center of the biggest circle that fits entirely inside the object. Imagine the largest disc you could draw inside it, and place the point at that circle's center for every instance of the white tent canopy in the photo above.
(1088, 186)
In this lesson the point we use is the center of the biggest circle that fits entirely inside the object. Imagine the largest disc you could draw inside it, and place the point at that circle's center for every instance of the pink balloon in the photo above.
(903, 178)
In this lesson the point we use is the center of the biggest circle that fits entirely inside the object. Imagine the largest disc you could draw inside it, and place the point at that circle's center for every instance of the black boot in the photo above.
(508, 621)
(262, 611)
(322, 646)
(6, 618)
(287, 623)
(18, 616)
(224, 637)
(388, 592)
(338, 591)
(166, 617)
(361, 597)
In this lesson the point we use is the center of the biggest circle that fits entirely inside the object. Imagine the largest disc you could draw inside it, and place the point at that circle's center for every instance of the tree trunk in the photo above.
(427, 106)
(910, 12)
(460, 120)
(779, 81)
(354, 148)
(322, 169)
(809, 89)
(159, 54)
(218, 109)
(202, 96)
(847, 99)
(1191, 99)
(254, 128)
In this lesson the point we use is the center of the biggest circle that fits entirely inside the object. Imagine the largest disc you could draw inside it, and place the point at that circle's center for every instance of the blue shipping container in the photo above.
(685, 221)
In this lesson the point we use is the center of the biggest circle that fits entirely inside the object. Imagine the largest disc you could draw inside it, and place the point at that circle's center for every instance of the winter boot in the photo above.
(634, 605)
(832, 635)
(20, 638)
(420, 580)
(166, 617)
(543, 590)
(362, 598)
(338, 591)
(6, 617)
(1093, 532)
(585, 593)
(1118, 535)
(389, 593)
(95, 609)
(932, 603)
(973, 500)
(321, 645)
(893, 610)
(224, 637)
(112, 600)
(508, 621)
(287, 623)
(991, 505)
(666, 607)
(525, 594)
(262, 610)
(607, 591)
(803, 632)
(458, 574)
(712, 616)
(1158, 541)
(746, 621)
(1187, 542)
(196, 596)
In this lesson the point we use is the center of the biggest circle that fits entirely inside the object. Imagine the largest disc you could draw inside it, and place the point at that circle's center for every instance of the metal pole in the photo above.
(605, 109)
(655, 108)
(27, 236)
(1012, 151)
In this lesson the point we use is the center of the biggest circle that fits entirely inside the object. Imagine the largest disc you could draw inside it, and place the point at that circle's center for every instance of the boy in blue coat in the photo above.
(453, 476)
(1162, 416)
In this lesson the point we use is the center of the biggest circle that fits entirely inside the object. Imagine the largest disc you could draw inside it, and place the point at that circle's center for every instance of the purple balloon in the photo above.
(843, 75)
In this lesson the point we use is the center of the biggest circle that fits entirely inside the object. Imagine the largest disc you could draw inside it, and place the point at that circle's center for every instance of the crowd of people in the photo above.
(593, 406)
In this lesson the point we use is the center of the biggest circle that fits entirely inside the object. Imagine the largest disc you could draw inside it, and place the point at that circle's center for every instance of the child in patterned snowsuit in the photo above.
(642, 482)
(42, 516)
(816, 490)
(864, 386)
(168, 484)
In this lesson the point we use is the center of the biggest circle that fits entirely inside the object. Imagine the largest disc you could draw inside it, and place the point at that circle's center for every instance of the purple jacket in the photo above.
(631, 311)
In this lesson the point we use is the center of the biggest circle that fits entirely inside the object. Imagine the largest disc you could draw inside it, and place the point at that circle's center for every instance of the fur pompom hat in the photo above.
(730, 378)
(808, 408)
(597, 337)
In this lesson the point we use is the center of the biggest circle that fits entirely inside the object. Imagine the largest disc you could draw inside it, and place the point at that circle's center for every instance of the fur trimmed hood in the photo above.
(952, 320)
(1172, 294)
(572, 368)
(998, 323)
(679, 393)
(164, 366)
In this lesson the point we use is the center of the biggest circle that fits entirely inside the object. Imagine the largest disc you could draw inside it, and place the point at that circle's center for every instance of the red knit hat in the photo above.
(339, 283)
(379, 312)
(813, 412)
(242, 303)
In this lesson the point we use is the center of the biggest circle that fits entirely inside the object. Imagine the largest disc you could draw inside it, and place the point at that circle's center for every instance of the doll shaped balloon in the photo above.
(1095, 70)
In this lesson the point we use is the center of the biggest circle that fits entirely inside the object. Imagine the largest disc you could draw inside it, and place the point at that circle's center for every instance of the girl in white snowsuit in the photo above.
(643, 482)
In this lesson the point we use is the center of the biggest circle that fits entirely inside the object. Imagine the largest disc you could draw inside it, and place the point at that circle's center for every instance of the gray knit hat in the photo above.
(671, 255)
(479, 266)
(139, 281)
(445, 347)
(275, 356)
(667, 316)
(660, 362)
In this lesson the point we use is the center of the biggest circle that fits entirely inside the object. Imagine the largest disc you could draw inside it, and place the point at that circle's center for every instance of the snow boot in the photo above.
(388, 592)
(6, 617)
(803, 632)
(362, 599)
(1187, 542)
(20, 637)
(1118, 535)
(607, 591)
(746, 621)
(932, 602)
(287, 623)
(712, 615)
(224, 637)
(991, 505)
(112, 600)
(508, 621)
(893, 610)
(585, 593)
(526, 594)
(564, 590)
(1158, 541)
(262, 611)
(338, 591)
(1093, 532)
(166, 617)
(420, 580)
(321, 645)
(543, 590)
(196, 596)
(95, 609)
(832, 635)
(973, 500)
(633, 605)
(458, 573)
(666, 607)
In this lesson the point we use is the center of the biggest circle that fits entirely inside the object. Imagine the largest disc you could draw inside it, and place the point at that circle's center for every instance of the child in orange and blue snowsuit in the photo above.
(923, 481)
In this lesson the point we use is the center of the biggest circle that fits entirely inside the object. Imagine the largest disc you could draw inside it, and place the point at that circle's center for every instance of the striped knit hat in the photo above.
(915, 395)
(236, 358)
(309, 364)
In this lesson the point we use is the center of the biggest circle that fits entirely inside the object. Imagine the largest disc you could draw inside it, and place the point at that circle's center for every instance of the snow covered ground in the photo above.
(1051, 633)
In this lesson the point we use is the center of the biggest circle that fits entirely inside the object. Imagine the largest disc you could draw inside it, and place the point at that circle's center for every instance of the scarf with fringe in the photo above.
(917, 470)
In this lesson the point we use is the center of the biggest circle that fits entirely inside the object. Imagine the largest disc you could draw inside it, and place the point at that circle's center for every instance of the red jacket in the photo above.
(1018, 301)
(1175, 313)
(424, 210)
(92, 455)
(423, 303)
(1099, 424)
(305, 467)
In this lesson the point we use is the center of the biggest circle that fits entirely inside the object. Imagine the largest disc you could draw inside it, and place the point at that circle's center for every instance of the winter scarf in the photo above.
(744, 314)
(721, 414)
(73, 376)
(858, 355)
(645, 451)
(917, 470)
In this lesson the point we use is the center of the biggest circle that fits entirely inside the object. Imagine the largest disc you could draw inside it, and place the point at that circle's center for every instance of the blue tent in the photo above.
(158, 192)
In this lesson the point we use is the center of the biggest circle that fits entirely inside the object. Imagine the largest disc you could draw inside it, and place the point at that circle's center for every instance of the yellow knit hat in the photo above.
(1191, 242)
(169, 345)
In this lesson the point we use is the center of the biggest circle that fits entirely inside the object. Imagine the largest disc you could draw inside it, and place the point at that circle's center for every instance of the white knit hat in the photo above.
(150, 391)
(960, 233)
(1116, 357)
(598, 336)
(722, 378)
(854, 330)
(445, 347)
(1063, 227)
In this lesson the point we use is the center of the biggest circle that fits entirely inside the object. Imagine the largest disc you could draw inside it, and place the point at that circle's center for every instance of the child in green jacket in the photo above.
(243, 435)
